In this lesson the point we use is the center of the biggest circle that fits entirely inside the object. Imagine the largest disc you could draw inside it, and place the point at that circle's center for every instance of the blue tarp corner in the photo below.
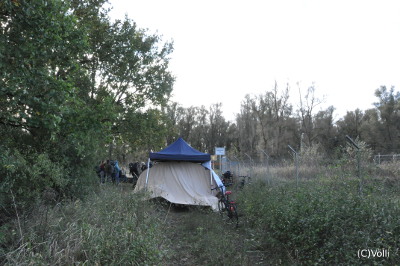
(180, 151)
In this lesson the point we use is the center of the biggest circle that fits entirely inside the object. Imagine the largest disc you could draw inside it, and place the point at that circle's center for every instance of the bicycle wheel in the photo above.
(221, 206)
(232, 214)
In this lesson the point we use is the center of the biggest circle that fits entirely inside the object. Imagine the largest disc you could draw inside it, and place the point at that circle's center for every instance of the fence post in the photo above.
(238, 165)
(251, 165)
(352, 142)
(297, 165)
(267, 160)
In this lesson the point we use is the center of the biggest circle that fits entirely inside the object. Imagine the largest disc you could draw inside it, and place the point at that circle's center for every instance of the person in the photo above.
(102, 172)
(227, 177)
(109, 169)
(134, 169)
(116, 172)
(122, 175)
(144, 166)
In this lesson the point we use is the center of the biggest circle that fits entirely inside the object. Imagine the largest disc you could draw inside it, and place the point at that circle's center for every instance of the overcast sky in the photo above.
(227, 49)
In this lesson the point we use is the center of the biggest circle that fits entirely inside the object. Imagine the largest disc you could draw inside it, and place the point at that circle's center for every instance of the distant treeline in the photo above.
(268, 122)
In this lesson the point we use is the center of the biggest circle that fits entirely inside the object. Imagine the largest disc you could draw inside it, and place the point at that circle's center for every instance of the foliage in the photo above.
(203, 128)
(389, 126)
(36, 97)
(32, 85)
(311, 156)
(35, 171)
(71, 81)
(108, 227)
(144, 129)
(267, 123)
(322, 221)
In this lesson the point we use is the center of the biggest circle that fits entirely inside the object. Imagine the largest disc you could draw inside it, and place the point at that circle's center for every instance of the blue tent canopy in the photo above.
(180, 151)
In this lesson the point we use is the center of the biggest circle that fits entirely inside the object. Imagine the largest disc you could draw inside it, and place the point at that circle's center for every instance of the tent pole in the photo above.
(148, 170)
(211, 177)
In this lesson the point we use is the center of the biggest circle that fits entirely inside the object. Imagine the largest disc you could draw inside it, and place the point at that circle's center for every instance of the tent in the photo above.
(181, 175)
(180, 151)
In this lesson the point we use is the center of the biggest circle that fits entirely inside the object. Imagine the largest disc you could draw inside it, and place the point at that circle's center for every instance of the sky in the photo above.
(224, 49)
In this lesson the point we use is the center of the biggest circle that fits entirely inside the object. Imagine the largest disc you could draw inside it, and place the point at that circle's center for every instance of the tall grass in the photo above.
(202, 237)
(108, 228)
(322, 221)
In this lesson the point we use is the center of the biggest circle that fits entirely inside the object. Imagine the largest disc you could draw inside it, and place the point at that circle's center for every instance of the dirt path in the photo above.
(198, 236)
(174, 222)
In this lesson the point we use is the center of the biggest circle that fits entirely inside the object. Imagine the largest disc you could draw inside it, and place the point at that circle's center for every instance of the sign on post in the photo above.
(219, 150)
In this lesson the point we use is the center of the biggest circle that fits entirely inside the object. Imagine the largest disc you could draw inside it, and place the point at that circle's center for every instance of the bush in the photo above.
(109, 228)
(323, 221)
(26, 177)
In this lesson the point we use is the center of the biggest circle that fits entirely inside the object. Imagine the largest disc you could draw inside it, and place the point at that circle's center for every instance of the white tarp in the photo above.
(214, 175)
(180, 183)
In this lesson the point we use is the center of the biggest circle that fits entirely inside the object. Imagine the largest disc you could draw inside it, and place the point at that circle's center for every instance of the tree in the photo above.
(217, 135)
(246, 122)
(325, 131)
(388, 107)
(34, 55)
(128, 68)
(307, 106)
(188, 122)
(273, 112)
(351, 123)
(41, 47)
(370, 130)
(199, 137)
(70, 81)
(173, 113)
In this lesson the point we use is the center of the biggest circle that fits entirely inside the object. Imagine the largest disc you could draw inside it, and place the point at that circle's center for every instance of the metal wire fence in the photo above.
(379, 159)
(247, 168)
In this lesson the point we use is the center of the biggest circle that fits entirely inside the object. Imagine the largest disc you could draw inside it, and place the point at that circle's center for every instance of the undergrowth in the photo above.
(107, 228)
(325, 221)
(203, 237)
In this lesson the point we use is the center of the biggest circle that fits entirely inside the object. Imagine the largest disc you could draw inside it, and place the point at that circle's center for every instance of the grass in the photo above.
(323, 220)
(204, 238)
(108, 228)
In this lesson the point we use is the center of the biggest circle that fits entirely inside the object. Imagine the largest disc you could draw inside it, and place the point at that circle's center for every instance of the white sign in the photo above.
(219, 150)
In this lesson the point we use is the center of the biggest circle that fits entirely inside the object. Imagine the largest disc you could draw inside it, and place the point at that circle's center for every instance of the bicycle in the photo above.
(225, 204)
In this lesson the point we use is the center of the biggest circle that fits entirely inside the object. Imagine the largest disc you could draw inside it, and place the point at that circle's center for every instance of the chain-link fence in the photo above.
(379, 159)
(308, 165)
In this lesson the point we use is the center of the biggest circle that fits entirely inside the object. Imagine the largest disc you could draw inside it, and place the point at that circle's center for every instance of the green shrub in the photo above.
(26, 177)
(109, 228)
(323, 221)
